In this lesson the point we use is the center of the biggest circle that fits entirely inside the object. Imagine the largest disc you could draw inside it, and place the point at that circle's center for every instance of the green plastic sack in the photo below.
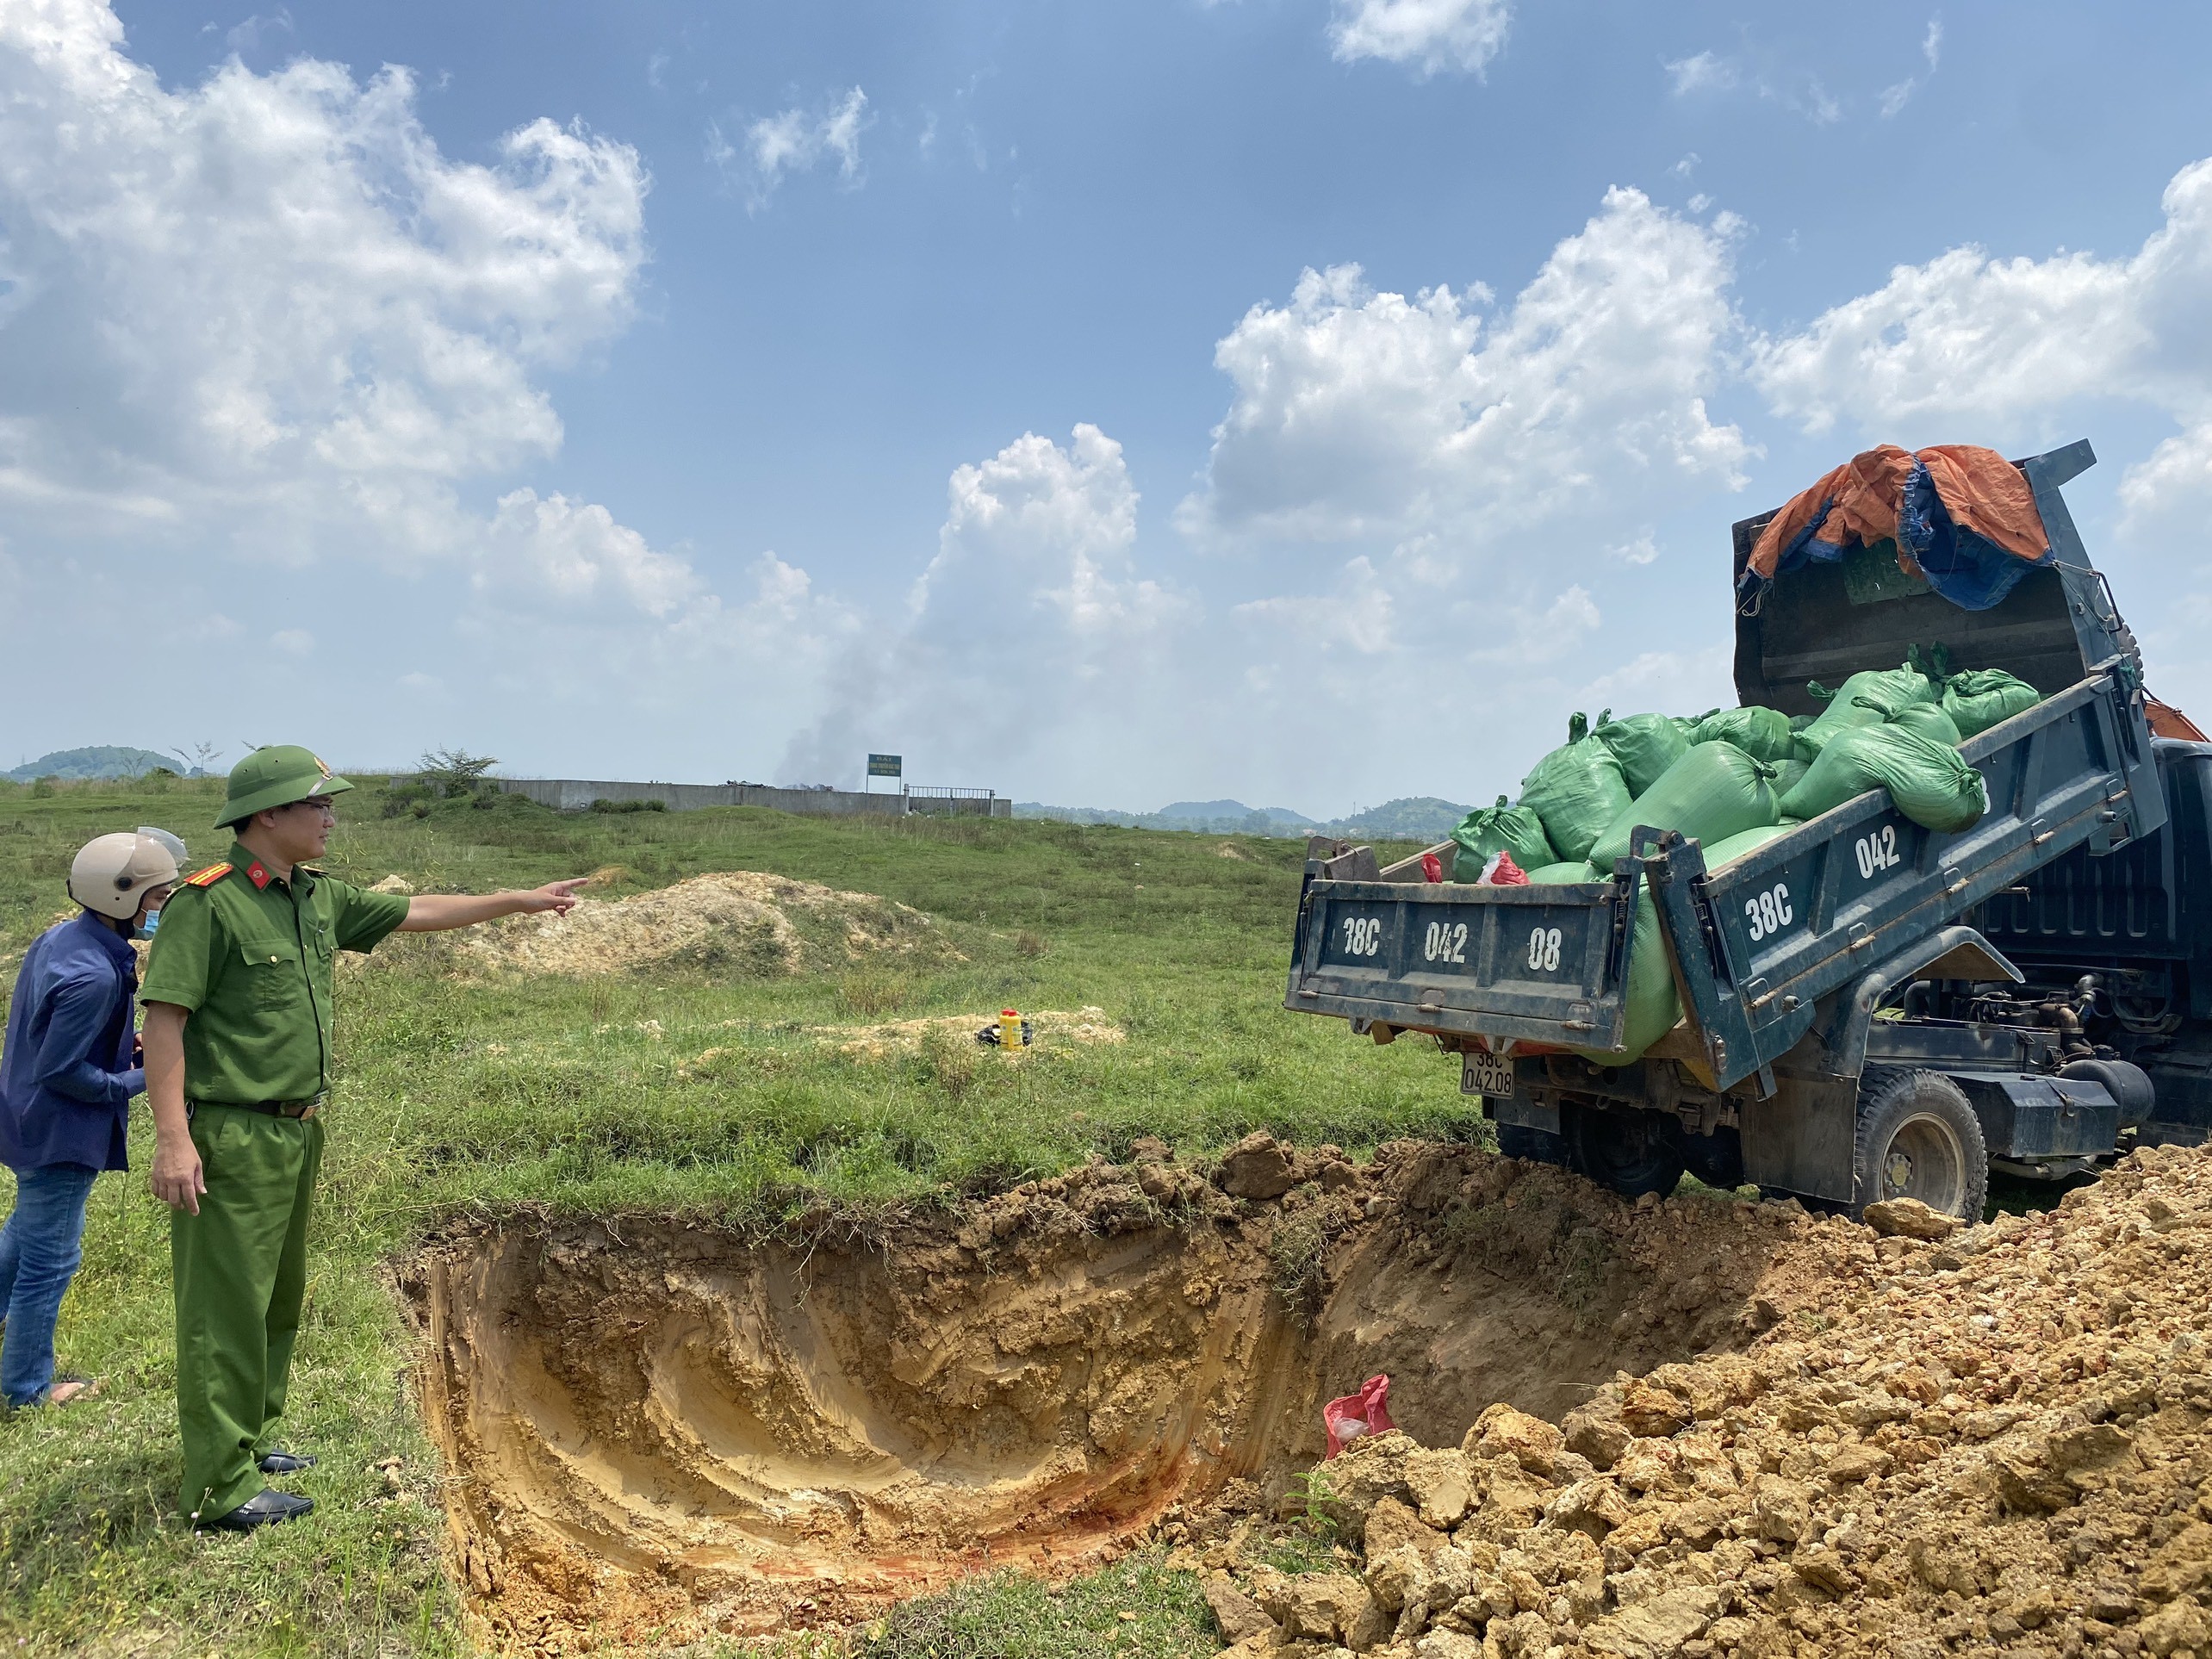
(1926, 718)
(1730, 848)
(1894, 689)
(1931, 783)
(1644, 744)
(1713, 791)
(1500, 829)
(1565, 874)
(1653, 1005)
(1576, 791)
(1786, 774)
(1978, 699)
(1764, 734)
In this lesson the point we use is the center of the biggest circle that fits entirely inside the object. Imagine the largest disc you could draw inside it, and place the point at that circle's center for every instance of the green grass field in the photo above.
(456, 1095)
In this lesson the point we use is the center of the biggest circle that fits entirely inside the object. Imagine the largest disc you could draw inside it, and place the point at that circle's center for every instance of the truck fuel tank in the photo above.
(2026, 1116)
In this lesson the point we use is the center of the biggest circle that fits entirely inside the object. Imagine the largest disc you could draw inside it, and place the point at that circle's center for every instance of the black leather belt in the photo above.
(302, 1109)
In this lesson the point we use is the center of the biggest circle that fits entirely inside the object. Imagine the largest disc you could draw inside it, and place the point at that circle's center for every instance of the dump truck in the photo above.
(1871, 1010)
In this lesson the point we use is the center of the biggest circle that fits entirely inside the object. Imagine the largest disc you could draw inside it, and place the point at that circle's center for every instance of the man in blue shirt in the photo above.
(66, 1078)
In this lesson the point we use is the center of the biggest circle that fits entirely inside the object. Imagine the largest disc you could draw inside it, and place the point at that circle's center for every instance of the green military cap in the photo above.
(276, 776)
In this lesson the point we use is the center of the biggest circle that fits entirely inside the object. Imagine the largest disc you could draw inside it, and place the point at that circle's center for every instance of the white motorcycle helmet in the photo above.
(112, 874)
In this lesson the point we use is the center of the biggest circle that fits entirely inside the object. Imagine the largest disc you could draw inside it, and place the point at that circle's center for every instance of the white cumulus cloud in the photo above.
(1968, 336)
(1360, 412)
(1762, 72)
(1432, 36)
(1703, 71)
(1031, 630)
(767, 150)
(1894, 97)
(574, 554)
(269, 306)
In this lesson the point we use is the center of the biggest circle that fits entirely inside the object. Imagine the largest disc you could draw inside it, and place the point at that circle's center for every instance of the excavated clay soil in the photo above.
(665, 1431)
(1995, 1441)
(743, 921)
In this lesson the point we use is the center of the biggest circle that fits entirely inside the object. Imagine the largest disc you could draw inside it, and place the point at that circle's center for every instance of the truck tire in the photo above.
(1633, 1153)
(1919, 1138)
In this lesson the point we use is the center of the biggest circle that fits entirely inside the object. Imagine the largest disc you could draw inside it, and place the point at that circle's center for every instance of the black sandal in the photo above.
(264, 1508)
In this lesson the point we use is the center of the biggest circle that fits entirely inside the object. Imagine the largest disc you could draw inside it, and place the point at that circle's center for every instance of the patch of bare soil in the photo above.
(664, 1432)
(1991, 1442)
(1048, 1028)
(740, 920)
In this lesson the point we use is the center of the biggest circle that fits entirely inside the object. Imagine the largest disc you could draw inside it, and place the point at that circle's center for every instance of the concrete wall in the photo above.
(576, 795)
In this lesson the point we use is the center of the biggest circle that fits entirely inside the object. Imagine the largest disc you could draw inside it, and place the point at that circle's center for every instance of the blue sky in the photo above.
(700, 392)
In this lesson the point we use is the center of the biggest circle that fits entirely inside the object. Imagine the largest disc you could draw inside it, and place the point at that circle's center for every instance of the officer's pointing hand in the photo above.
(558, 897)
(179, 1180)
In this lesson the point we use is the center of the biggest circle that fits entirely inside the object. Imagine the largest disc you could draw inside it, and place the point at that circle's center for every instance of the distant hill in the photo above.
(1421, 817)
(1415, 817)
(105, 762)
(1226, 811)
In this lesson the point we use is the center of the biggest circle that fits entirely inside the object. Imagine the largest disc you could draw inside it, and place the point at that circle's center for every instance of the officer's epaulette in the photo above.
(208, 877)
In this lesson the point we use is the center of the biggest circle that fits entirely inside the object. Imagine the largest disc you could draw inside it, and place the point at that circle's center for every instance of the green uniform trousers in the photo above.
(241, 1271)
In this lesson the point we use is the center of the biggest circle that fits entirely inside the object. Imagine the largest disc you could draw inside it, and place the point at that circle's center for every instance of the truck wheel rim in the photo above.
(1924, 1160)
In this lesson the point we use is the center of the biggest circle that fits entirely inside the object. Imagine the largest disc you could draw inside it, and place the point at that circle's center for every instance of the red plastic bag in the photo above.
(1502, 872)
(1365, 1413)
(1432, 868)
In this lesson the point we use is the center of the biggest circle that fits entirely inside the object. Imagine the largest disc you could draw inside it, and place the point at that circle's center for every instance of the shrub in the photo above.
(454, 771)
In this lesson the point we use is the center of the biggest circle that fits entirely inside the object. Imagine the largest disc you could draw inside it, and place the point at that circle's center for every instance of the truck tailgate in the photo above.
(1541, 963)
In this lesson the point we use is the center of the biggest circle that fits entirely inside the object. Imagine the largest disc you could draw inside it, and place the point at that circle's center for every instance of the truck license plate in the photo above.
(1486, 1074)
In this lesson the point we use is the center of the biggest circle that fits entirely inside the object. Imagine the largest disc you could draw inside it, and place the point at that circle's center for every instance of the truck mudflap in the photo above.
(1756, 944)
(1545, 965)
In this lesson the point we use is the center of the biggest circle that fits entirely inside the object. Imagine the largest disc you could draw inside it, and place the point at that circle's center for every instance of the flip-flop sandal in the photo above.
(70, 1387)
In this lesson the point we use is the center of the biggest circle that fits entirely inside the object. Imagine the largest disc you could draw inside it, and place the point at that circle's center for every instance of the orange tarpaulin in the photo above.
(1982, 491)
(2167, 721)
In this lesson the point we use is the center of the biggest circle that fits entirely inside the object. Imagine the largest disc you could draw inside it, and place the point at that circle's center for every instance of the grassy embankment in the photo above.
(458, 1095)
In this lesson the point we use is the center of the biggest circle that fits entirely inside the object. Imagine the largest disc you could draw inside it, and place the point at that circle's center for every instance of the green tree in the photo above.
(454, 773)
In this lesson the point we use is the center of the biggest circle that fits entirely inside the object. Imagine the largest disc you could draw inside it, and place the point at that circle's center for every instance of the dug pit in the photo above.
(677, 1430)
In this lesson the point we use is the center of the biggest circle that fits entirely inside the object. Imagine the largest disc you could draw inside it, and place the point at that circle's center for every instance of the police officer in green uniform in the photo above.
(238, 1044)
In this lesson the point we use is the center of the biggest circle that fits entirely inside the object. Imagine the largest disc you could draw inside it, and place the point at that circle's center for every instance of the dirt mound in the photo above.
(738, 921)
(1990, 1443)
(1048, 1028)
(680, 1431)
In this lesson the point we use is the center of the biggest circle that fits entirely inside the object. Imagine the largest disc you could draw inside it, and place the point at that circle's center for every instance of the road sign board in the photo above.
(886, 765)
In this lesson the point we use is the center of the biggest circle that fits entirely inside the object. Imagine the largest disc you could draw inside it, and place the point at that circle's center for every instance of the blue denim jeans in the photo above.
(40, 1250)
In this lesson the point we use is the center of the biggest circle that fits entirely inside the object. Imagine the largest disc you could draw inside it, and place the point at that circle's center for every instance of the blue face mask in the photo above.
(147, 924)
